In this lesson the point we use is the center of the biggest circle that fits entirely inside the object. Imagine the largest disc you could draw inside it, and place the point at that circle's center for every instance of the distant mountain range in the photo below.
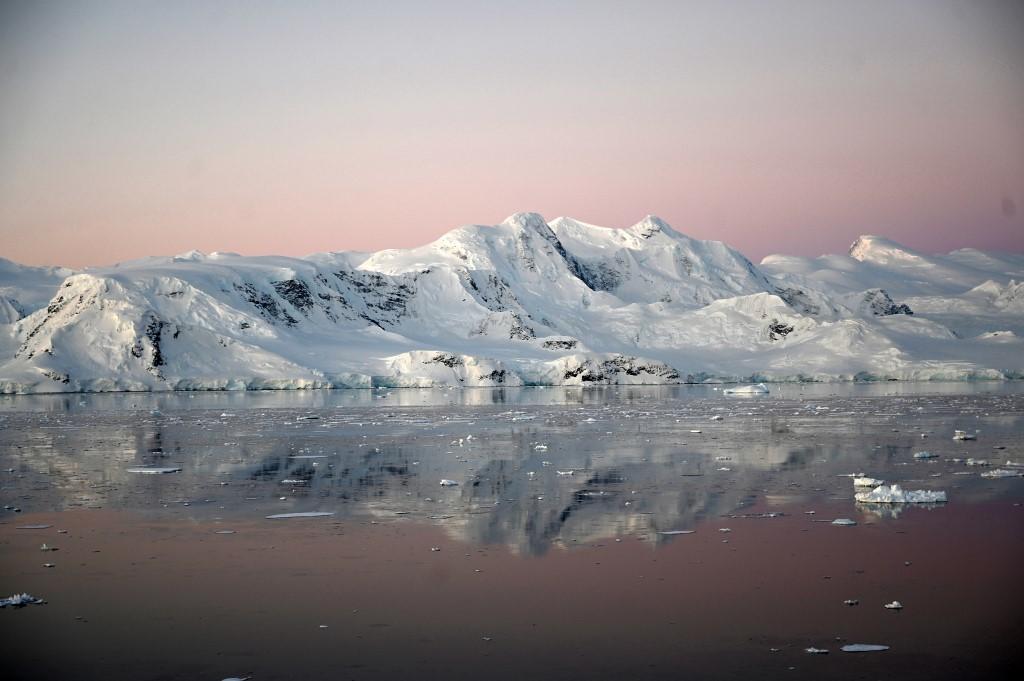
(525, 302)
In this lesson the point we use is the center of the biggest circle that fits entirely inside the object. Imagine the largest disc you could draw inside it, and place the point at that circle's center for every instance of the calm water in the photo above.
(600, 533)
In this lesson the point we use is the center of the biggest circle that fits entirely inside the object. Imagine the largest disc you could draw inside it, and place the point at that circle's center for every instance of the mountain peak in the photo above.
(651, 225)
(533, 221)
(871, 248)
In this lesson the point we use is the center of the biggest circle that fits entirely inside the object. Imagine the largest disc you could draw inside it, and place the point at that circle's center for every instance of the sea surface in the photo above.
(599, 533)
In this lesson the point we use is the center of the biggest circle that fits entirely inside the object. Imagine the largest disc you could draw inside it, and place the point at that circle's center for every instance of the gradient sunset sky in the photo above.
(142, 128)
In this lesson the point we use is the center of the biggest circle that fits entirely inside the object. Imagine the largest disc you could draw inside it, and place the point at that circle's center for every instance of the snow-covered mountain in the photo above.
(522, 302)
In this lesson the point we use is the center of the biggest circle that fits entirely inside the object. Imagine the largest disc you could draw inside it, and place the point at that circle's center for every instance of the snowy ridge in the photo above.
(525, 302)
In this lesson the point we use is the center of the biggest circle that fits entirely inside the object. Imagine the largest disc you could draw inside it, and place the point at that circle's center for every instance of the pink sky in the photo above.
(132, 130)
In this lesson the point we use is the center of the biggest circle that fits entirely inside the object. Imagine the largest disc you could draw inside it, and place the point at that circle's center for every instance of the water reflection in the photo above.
(557, 468)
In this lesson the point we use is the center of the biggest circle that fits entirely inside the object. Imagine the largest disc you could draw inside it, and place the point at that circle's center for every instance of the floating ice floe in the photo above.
(154, 470)
(816, 651)
(759, 389)
(448, 483)
(716, 417)
(20, 601)
(964, 435)
(565, 472)
(674, 532)
(844, 521)
(886, 494)
(863, 648)
(304, 514)
(895, 605)
(867, 482)
(925, 455)
(33, 527)
(1002, 473)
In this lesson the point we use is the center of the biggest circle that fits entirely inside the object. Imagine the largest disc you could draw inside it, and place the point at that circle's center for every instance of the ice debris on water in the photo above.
(925, 455)
(844, 521)
(304, 514)
(153, 470)
(867, 482)
(963, 435)
(20, 601)
(895, 605)
(816, 651)
(851, 601)
(886, 494)
(674, 532)
(445, 482)
(863, 648)
(1002, 473)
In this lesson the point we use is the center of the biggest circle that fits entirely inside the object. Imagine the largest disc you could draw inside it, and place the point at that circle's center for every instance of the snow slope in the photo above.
(524, 302)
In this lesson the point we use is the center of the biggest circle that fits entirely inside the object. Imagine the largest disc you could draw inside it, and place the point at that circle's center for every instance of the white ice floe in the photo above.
(816, 651)
(155, 470)
(304, 514)
(1002, 473)
(867, 482)
(19, 601)
(448, 483)
(863, 648)
(844, 521)
(925, 455)
(674, 532)
(759, 389)
(963, 435)
(895, 605)
(893, 494)
(564, 473)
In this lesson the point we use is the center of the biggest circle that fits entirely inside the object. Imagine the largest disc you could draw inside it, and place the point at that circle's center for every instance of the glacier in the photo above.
(525, 302)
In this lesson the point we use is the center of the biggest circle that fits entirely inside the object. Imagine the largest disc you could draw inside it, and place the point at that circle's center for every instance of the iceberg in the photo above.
(759, 389)
(20, 601)
(893, 494)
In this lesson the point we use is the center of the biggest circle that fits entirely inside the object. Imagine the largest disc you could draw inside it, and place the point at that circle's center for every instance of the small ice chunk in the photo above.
(154, 470)
(816, 651)
(565, 472)
(33, 527)
(19, 601)
(674, 532)
(863, 648)
(925, 455)
(716, 417)
(893, 494)
(895, 605)
(844, 521)
(304, 514)
(867, 482)
(964, 435)
(851, 601)
(445, 482)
